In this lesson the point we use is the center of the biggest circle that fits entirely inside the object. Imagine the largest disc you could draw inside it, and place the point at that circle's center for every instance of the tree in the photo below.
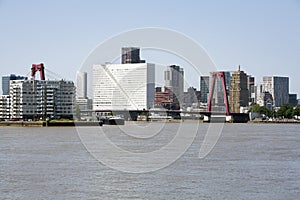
(285, 111)
(255, 108)
(261, 110)
(296, 111)
(264, 110)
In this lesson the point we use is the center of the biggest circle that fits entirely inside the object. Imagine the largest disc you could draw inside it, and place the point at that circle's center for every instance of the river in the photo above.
(249, 161)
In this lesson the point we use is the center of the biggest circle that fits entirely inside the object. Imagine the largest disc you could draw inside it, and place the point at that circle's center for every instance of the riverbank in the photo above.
(275, 122)
(49, 124)
(85, 123)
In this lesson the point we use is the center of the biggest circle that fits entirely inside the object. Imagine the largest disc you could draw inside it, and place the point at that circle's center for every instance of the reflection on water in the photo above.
(250, 161)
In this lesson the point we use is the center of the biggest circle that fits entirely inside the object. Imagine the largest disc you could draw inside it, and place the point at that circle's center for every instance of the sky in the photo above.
(261, 36)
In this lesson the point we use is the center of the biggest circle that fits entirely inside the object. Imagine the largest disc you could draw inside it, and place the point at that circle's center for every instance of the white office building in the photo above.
(123, 86)
(34, 99)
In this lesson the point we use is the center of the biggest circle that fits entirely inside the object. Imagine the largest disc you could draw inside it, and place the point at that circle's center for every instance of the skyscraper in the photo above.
(5, 82)
(174, 80)
(278, 87)
(204, 88)
(239, 94)
(81, 82)
(131, 55)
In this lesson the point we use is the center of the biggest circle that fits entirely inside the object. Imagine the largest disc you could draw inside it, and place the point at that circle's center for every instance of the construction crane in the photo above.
(38, 67)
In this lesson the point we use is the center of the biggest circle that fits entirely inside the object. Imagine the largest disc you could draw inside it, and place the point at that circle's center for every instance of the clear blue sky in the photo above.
(262, 36)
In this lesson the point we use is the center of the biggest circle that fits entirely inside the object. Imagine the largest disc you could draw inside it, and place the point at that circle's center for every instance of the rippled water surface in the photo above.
(250, 161)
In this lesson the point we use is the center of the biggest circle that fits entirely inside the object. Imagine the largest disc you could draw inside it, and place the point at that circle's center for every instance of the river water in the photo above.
(249, 161)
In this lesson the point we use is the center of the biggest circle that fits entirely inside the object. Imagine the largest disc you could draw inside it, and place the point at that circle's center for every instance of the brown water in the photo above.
(250, 161)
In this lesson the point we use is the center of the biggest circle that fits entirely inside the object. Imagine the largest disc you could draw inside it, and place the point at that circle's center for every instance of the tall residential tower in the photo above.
(239, 94)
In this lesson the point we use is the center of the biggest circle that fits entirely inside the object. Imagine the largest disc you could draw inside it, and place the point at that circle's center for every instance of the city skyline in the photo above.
(260, 36)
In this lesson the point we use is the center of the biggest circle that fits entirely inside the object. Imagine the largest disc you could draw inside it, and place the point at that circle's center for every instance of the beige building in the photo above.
(239, 94)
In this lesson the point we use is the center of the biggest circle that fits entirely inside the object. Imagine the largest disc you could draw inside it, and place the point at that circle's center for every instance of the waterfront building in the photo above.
(4, 107)
(239, 94)
(278, 87)
(35, 99)
(174, 80)
(123, 86)
(204, 89)
(6, 80)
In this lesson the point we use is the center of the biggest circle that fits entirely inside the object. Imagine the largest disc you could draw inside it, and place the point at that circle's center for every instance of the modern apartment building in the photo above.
(4, 107)
(34, 99)
(6, 80)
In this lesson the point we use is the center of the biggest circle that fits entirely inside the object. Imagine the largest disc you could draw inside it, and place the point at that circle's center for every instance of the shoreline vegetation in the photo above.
(96, 123)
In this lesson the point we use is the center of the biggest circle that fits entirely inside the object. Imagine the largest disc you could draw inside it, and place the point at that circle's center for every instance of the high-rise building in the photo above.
(123, 86)
(32, 99)
(204, 89)
(239, 94)
(251, 89)
(5, 82)
(131, 55)
(81, 82)
(278, 87)
(174, 80)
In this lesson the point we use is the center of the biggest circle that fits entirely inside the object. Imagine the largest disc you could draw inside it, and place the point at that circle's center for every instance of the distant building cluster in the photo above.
(131, 86)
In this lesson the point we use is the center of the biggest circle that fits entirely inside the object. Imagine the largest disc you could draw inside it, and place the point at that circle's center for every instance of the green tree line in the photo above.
(285, 111)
